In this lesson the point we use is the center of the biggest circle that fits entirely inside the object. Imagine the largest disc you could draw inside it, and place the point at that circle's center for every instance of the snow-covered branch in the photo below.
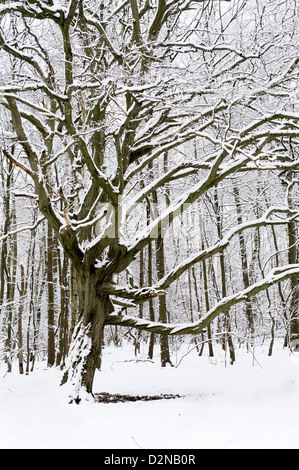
(275, 276)
(222, 244)
(22, 229)
(142, 294)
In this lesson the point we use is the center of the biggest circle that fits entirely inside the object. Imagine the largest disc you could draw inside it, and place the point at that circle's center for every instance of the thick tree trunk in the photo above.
(86, 348)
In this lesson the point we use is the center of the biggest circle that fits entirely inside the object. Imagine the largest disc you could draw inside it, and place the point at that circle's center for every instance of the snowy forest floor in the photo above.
(253, 404)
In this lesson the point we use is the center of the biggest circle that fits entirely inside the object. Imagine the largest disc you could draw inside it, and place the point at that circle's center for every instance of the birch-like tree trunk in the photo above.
(20, 320)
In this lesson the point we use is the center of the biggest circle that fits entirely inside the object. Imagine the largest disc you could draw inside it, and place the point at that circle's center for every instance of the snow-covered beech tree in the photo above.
(108, 100)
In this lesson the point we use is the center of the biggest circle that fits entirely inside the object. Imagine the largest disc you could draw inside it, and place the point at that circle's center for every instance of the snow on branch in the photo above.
(33, 9)
(178, 207)
(22, 229)
(12, 90)
(127, 292)
(44, 111)
(174, 173)
(218, 247)
(15, 162)
(276, 275)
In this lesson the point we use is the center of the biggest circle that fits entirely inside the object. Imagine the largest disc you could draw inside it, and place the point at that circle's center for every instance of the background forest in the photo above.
(149, 151)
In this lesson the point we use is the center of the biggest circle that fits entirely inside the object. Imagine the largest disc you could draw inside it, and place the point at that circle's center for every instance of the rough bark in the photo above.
(86, 348)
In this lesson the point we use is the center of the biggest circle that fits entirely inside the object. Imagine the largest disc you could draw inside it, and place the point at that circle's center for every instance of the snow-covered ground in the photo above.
(253, 404)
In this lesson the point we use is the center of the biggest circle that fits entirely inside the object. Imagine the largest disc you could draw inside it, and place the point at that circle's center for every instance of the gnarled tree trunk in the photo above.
(86, 348)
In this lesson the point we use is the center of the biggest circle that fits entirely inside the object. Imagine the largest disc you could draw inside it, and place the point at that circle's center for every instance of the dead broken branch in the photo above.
(68, 223)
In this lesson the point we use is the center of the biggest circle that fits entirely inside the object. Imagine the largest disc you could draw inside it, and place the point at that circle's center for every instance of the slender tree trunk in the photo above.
(2, 272)
(228, 335)
(244, 263)
(50, 281)
(6, 266)
(151, 302)
(200, 351)
(165, 354)
(2, 243)
(141, 284)
(63, 320)
(37, 286)
(73, 302)
(294, 301)
(32, 304)
(207, 303)
(190, 290)
(293, 256)
(205, 286)
(10, 294)
(160, 264)
(20, 321)
(279, 287)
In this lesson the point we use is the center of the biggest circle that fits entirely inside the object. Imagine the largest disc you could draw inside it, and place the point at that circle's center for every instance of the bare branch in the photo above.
(15, 162)
(23, 229)
(275, 276)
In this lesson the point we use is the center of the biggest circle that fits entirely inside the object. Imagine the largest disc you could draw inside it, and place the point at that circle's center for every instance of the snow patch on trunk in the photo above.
(76, 364)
